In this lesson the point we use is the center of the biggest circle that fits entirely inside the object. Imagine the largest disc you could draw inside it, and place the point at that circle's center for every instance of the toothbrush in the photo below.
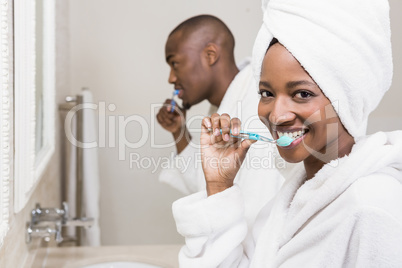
(173, 102)
(282, 141)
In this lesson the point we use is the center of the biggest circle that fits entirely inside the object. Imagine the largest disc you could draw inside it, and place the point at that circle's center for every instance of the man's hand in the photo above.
(174, 122)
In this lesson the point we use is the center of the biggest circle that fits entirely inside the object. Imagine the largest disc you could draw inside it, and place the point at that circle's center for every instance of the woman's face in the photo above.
(292, 104)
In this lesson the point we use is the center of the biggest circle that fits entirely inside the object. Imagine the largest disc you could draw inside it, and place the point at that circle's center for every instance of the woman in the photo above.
(344, 209)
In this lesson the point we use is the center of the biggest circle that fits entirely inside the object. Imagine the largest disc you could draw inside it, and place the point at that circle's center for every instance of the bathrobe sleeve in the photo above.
(376, 240)
(214, 228)
(376, 235)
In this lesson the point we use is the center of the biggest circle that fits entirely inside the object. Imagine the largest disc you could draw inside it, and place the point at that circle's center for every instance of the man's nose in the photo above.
(172, 77)
(281, 112)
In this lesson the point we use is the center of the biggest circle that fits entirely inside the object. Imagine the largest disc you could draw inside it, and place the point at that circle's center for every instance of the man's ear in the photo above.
(212, 53)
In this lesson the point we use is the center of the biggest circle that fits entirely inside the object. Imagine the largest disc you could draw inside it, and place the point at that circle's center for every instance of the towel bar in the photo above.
(70, 103)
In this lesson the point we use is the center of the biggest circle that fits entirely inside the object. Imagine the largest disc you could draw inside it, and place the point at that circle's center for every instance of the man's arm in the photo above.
(182, 139)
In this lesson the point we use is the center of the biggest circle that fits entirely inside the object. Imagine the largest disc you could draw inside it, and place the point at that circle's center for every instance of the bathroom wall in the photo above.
(14, 251)
(117, 50)
(388, 115)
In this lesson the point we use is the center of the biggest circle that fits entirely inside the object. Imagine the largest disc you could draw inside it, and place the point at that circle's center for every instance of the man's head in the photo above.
(197, 51)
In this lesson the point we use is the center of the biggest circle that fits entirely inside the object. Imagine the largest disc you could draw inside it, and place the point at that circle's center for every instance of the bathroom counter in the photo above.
(75, 257)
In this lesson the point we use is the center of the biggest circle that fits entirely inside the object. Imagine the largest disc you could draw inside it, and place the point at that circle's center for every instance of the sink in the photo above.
(125, 256)
(121, 264)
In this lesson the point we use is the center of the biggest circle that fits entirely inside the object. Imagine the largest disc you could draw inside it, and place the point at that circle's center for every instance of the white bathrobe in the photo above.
(348, 215)
(259, 170)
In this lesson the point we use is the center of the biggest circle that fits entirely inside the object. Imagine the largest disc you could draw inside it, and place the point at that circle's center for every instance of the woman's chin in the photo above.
(290, 157)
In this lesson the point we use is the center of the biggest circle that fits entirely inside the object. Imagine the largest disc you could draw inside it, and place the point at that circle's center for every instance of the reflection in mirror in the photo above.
(34, 45)
(39, 77)
(6, 118)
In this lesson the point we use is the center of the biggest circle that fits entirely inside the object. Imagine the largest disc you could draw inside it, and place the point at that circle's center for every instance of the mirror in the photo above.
(39, 77)
(6, 119)
(34, 48)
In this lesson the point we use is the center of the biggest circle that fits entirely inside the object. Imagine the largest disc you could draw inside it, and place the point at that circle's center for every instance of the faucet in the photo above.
(46, 222)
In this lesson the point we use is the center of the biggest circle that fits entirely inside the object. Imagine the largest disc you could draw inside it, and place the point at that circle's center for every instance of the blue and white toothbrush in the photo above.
(282, 141)
(173, 102)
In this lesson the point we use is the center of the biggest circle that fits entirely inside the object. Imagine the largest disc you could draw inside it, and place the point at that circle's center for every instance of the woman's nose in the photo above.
(281, 112)
(172, 77)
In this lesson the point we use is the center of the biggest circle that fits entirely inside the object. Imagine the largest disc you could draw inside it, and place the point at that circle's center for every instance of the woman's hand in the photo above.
(222, 155)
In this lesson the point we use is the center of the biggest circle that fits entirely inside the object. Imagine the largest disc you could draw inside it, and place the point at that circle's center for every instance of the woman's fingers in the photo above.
(235, 129)
(245, 144)
(215, 119)
(206, 124)
(216, 137)
(225, 126)
(235, 126)
(221, 128)
(207, 131)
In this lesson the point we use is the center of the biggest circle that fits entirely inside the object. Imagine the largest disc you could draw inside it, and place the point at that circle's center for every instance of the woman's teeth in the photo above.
(294, 135)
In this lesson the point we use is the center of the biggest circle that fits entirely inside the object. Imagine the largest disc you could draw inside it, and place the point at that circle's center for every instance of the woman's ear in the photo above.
(212, 53)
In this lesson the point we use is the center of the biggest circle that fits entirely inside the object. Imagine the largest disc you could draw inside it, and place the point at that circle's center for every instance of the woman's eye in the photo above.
(265, 94)
(303, 95)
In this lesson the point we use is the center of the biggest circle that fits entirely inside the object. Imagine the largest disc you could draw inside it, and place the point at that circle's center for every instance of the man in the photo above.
(200, 53)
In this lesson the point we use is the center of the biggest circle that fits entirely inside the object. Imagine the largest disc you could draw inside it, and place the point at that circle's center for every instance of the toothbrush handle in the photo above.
(282, 141)
(173, 104)
(248, 136)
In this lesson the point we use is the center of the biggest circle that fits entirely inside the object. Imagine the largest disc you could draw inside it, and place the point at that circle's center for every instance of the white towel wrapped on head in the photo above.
(344, 45)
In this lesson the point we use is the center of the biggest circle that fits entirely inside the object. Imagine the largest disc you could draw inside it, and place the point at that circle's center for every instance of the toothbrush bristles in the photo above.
(284, 141)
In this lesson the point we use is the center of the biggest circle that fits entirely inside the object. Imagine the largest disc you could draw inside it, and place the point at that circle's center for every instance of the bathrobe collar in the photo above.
(298, 200)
